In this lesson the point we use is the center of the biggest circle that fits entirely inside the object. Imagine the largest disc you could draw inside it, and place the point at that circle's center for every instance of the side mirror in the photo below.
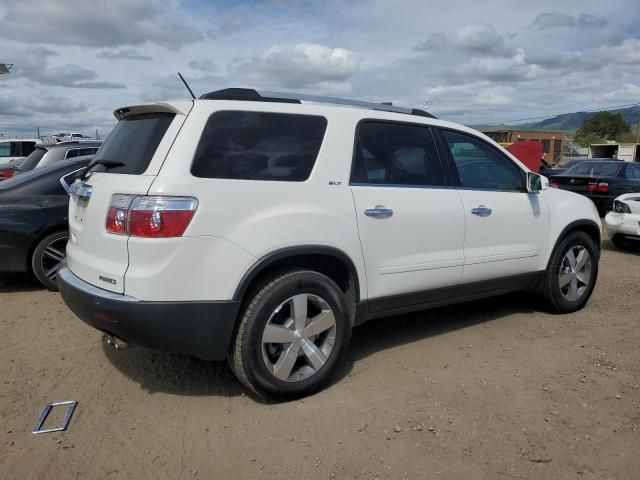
(536, 182)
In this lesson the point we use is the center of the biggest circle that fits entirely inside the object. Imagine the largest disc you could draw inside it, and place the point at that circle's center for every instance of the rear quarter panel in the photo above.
(259, 217)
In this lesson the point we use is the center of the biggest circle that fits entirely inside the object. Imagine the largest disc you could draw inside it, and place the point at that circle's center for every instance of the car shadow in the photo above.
(19, 282)
(632, 249)
(382, 334)
(185, 375)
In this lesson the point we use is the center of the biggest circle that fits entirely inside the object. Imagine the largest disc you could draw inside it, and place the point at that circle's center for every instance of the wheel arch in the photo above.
(589, 227)
(330, 261)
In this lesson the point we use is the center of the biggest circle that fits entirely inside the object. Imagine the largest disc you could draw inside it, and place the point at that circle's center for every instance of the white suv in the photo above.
(262, 227)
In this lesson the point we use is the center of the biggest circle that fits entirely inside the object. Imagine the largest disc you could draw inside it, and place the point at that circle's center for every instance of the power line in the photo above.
(614, 107)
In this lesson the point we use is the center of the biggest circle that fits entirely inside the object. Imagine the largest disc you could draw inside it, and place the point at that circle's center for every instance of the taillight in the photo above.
(554, 185)
(4, 174)
(117, 214)
(153, 216)
(601, 187)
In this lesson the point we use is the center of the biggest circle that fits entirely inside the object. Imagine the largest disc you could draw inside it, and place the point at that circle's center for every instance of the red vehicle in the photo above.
(528, 152)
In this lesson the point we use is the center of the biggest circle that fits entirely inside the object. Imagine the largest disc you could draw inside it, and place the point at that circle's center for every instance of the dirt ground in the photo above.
(493, 389)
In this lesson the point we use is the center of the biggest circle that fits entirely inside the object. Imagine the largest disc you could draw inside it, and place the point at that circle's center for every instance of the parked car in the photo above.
(549, 171)
(262, 227)
(45, 155)
(14, 149)
(34, 220)
(623, 223)
(600, 180)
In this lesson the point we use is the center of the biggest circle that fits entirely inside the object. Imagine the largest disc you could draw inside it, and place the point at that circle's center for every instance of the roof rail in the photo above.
(251, 95)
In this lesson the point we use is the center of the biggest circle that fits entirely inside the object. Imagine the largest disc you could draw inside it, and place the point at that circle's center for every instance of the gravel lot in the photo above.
(493, 389)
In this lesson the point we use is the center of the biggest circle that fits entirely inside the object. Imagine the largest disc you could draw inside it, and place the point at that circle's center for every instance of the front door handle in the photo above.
(481, 211)
(378, 212)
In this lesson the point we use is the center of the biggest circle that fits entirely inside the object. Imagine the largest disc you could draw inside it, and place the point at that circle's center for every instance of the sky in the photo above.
(472, 62)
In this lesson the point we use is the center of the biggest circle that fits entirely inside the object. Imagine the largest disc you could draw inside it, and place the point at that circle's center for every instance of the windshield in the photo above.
(595, 169)
(32, 160)
(134, 140)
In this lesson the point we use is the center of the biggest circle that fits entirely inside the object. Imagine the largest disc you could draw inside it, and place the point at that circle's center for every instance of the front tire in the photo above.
(46, 258)
(292, 336)
(571, 273)
(622, 242)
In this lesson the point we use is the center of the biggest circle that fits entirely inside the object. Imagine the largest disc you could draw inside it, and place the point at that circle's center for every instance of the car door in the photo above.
(410, 220)
(506, 227)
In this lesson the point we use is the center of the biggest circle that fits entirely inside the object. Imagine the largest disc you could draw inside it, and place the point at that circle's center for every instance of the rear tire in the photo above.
(571, 273)
(46, 258)
(292, 336)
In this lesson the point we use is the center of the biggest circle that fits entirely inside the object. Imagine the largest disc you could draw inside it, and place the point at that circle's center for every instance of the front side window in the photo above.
(481, 166)
(5, 149)
(395, 154)
(259, 146)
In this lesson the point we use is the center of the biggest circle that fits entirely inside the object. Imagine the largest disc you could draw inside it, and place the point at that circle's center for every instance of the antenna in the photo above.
(186, 85)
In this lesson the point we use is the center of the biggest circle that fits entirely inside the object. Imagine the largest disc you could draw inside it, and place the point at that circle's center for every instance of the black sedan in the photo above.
(601, 181)
(34, 219)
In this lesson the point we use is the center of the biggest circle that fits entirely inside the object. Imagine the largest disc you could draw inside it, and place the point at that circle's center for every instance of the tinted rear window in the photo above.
(134, 140)
(259, 146)
(595, 169)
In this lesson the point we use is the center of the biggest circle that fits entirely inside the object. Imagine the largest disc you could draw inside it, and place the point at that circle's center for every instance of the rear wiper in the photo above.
(107, 164)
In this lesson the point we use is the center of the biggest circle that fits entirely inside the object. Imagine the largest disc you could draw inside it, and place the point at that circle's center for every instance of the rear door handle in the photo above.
(378, 212)
(481, 211)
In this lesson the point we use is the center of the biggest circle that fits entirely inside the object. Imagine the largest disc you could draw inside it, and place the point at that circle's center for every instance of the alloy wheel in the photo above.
(575, 273)
(298, 337)
(51, 257)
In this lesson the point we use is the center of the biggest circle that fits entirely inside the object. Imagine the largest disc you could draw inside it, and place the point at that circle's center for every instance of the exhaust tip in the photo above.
(115, 342)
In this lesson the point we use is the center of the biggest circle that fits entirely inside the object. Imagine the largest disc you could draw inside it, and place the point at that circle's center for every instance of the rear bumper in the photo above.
(202, 329)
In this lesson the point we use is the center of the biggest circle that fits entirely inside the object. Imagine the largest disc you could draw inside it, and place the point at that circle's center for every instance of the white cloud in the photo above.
(302, 66)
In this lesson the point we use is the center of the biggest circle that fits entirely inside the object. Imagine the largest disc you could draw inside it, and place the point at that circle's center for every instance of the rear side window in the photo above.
(633, 172)
(259, 146)
(80, 152)
(395, 154)
(134, 140)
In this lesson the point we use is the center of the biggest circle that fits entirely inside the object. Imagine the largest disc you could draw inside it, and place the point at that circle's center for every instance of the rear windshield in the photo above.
(595, 169)
(259, 146)
(32, 160)
(134, 140)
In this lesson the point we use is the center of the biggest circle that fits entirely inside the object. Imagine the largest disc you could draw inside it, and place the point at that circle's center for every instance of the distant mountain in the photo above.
(571, 121)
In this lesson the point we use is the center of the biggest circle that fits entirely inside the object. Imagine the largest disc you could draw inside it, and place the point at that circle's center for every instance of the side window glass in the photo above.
(5, 149)
(71, 153)
(395, 154)
(481, 166)
(259, 146)
(633, 172)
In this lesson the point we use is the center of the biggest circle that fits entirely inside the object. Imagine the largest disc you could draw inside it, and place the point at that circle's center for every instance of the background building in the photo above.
(552, 141)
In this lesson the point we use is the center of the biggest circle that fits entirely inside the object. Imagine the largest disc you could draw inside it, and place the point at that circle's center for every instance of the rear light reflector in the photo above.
(150, 216)
(554, 185)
